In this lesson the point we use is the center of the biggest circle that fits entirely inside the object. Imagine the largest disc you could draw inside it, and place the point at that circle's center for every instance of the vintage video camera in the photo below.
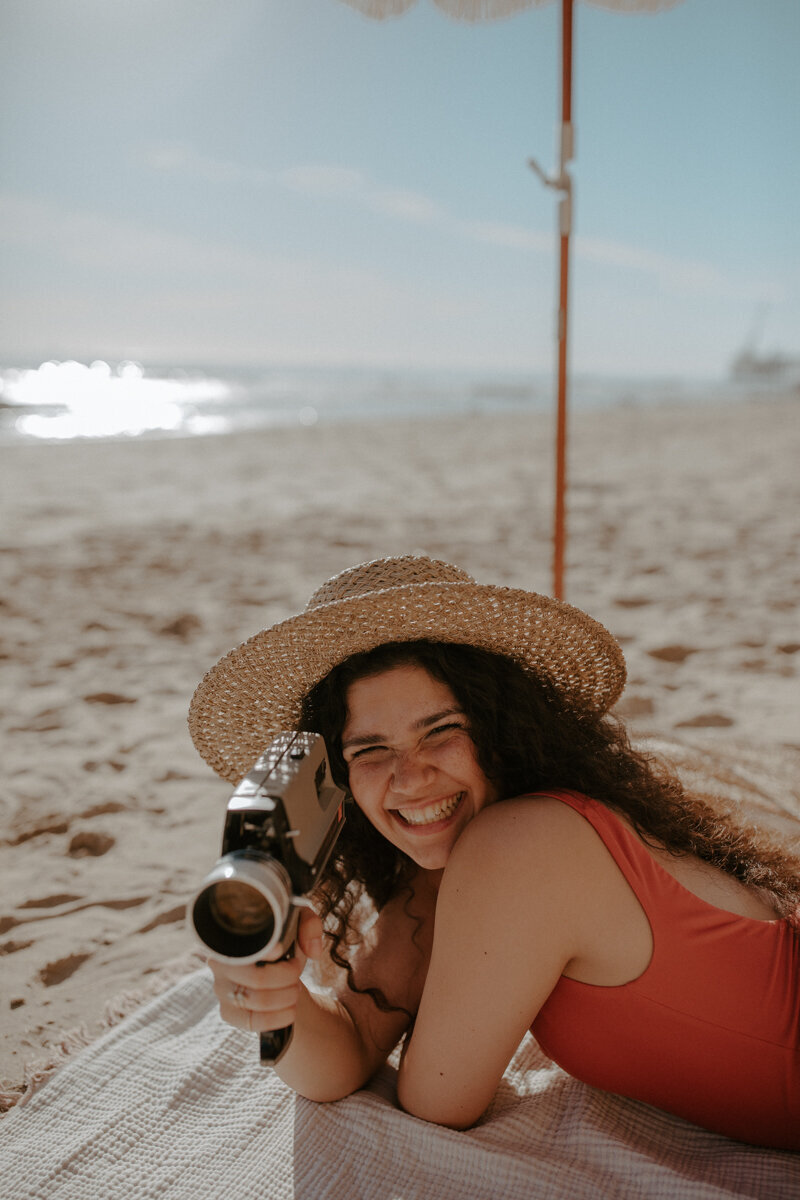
(281, 825)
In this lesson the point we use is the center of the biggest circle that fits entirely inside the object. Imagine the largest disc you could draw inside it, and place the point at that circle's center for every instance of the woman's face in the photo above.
(412, 764)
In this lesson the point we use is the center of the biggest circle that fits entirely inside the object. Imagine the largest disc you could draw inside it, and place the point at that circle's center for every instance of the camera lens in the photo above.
(240, 909)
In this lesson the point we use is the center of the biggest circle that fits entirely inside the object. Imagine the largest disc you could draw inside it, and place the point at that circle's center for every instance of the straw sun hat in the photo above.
(257, 689)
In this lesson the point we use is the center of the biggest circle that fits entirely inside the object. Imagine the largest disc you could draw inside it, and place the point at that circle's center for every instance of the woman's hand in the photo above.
(340, 1036)
(263, 998)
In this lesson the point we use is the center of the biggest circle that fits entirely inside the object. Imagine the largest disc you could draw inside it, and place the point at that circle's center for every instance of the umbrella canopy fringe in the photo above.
(491, 10)
(461, 10)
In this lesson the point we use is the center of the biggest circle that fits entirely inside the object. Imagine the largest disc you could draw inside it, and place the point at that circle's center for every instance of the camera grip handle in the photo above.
(275, 1042)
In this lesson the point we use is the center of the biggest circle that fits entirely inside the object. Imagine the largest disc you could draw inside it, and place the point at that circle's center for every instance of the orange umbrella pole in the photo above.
(563, 184)
(560, 506)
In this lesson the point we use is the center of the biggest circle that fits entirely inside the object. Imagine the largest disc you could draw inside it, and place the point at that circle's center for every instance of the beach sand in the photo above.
(129, 568)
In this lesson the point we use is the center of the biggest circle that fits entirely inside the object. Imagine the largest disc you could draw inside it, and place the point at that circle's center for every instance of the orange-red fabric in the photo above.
(710, 1031)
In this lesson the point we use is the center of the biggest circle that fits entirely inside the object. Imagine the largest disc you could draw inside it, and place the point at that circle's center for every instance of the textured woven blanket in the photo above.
(173, 1104)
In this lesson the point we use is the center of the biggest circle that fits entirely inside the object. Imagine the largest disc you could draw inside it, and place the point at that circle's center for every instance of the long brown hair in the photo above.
(528, 740)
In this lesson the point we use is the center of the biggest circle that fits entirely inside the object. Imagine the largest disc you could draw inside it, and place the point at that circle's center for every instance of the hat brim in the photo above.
(257, 690)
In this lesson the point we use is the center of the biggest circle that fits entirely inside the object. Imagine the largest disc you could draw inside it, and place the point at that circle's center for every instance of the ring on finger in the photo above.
(238, 995)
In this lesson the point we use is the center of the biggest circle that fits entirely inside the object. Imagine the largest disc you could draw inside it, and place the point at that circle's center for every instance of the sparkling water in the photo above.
(63, 401)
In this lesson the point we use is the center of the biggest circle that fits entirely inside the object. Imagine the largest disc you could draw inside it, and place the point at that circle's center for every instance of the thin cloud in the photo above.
(414, 207)
(326, 182)
(675, 273)
(181, 158)
(323, 181)
(125, 290)
(96, 240)
(351, 185)
(510, 237)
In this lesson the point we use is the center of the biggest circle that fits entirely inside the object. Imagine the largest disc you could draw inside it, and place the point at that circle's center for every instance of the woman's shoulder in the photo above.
(538, 836)
(556, 815)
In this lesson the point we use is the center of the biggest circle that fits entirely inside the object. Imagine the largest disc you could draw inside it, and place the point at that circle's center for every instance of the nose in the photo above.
(411, 773)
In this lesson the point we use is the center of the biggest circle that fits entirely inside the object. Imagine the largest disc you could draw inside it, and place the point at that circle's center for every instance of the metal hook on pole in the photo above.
(562, 182)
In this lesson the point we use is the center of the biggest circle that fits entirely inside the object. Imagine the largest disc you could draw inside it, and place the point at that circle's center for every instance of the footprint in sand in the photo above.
(635, 706)
(102, 810)
(93, 765)
(119, 905)
(51, 901)
(44, 722)
(182, 627)
(12, 947)
(56, 972)
(90, 844)
(706, 721)
(672, 654)
(51, 825)
(167, 918)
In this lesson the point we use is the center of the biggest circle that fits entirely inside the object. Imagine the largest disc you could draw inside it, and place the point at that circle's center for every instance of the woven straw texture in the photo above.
(257, 689)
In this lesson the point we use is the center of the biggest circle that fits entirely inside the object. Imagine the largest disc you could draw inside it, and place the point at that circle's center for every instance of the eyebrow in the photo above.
(378, 739)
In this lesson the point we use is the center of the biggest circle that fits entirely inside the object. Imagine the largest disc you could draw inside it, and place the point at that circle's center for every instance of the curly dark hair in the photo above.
(527, 740)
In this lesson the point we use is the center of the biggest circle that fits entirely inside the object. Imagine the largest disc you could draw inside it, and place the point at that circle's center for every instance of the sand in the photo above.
(129, 568)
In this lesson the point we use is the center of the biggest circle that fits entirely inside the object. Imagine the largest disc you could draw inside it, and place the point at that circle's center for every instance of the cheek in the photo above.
(365, 787)
(462, 759)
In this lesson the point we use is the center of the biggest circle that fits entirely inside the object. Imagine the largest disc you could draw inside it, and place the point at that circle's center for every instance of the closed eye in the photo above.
(378, 750)
(367, 750)
(445, 729)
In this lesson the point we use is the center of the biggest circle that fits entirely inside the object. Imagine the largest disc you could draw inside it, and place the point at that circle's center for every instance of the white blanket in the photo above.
(173, 1104)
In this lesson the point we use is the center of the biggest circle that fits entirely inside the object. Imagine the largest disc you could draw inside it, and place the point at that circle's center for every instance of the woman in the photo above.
(651, 945)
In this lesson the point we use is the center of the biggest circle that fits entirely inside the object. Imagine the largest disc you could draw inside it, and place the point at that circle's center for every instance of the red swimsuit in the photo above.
(710, 1031)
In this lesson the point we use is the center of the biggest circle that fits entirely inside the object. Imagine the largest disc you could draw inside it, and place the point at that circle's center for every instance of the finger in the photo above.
(274, 1000)
(309, 934)
(257, 1022)
(258, 999)
(279, 974)
(279, 1001)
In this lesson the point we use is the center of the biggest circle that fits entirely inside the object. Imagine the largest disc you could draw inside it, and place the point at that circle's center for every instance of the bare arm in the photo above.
(339, 1040)
(507, 924)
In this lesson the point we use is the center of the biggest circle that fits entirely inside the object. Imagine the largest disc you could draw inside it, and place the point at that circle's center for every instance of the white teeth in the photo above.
(434, 812)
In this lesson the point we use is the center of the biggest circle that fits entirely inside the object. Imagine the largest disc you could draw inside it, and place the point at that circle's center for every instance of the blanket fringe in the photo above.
(39, 1069)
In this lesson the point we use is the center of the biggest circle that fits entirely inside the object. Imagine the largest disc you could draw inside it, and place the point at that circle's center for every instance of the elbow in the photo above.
(326, 1087)
(324, 1095)
(426, 1108)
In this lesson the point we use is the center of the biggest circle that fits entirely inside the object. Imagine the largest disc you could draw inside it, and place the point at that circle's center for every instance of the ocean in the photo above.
(69, 400)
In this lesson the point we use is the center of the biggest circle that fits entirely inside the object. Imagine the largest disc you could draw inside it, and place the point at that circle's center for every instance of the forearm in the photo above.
(327, 1058)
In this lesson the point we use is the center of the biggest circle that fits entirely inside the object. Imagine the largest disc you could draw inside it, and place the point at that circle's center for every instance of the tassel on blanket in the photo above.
(65, 1045)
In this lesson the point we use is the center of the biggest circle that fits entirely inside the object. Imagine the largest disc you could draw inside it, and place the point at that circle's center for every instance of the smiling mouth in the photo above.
(433, 813)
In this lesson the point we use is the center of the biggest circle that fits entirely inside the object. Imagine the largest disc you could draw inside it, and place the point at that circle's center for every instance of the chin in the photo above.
(432, 858)
(432, 862)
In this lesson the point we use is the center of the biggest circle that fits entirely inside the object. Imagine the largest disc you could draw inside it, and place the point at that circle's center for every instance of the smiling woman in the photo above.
(418, 782)
(527, 869)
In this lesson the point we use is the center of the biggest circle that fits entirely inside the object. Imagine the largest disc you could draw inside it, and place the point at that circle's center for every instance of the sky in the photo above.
(249, 182)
